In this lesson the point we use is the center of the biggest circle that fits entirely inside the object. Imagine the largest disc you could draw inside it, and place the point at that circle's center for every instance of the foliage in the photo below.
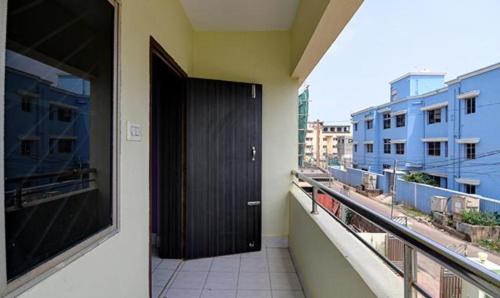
(491, 244)
(419, 177)
(481, 218)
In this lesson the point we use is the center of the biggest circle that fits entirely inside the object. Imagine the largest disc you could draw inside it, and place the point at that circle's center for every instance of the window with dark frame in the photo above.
(369, 148)
(26, 104)
(470, 189)
(434, 116)
(434, 148)
(369, 124)
(387, 120)
(400, 148)
(355, 127)
(355, 146)
(387, 146)
(401, 120)
(470, 105)
(28, 147)
(87, 56)
(386, 166)
(470, 151)
(446, 149)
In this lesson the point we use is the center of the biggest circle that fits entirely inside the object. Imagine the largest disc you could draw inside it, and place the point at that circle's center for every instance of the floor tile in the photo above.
(253, 294)
(182, 293)
(285, 281)
(155, 261)
(254, 265)
(218, 293)
(254, 281)
(160, 277)
(281, 265)
(169, 264)
(288, 294)
(189, 280)
(278, 253)
(197, 265)
(255, 254)
(226, 264)
(221, 280)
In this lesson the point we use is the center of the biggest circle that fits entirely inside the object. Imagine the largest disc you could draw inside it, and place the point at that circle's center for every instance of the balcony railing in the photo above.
(413, 243)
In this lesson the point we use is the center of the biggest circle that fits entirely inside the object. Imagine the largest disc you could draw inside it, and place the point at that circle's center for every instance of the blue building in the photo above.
(46, 125)
(445, 129)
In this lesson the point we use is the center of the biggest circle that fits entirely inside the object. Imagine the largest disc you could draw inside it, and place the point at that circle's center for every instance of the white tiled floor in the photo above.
(268, 274)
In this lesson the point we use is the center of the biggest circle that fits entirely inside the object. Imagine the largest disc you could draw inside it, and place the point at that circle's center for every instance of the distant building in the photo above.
(447, 130)
(334, 141)
(46, 125)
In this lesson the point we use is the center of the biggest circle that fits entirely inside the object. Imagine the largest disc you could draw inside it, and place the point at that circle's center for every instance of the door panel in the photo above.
(223, 124)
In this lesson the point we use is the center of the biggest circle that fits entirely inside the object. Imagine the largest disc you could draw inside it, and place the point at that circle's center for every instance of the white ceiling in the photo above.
(240, 15)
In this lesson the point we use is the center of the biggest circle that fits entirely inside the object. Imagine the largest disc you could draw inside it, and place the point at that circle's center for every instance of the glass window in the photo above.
(470, 105)
(58, 158)
(369, 124)
(400, 148)
(400, 120)
(434, 148)
(355, 127)
(470, 151)
(470, 189)
(355, 147)
(369, 148)
(387, 146)
(387, 120)
(434, 116)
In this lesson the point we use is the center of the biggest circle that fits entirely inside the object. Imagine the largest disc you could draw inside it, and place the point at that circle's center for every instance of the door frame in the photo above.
(156, 50)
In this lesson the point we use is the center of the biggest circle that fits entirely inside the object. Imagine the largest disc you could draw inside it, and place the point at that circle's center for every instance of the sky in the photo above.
(388, 38)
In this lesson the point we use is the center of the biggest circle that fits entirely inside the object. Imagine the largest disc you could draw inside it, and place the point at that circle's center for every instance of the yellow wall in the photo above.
(330, 261)
(260, 57)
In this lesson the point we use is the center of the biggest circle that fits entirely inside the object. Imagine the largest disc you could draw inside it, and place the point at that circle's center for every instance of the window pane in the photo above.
(58, 127)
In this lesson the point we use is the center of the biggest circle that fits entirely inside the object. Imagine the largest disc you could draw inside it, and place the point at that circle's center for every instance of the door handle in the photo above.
(253, 203)
(254, 152)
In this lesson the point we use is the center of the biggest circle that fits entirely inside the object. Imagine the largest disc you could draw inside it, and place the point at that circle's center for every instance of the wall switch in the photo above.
(134, 132)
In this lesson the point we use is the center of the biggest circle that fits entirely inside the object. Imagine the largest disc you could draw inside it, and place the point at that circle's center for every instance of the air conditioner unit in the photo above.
(370, 181)
(438, 204)
(460, 204)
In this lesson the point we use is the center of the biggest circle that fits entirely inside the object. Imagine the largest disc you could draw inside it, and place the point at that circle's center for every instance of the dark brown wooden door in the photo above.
(223, 175)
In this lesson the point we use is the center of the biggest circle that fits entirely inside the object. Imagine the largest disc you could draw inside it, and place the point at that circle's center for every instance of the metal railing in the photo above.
(486, 280)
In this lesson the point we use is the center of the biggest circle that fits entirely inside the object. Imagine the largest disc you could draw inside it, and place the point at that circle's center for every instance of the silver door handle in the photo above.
(254, 152)
(253, 203)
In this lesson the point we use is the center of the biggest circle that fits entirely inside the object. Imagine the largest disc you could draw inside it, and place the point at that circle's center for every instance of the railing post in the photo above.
(409, 272)
(314, 209)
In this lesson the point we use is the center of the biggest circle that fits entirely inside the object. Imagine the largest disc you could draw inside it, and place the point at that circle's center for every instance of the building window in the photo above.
(400, 148)
(434, 148)
(387, 120)
(470, 151)
(26, 104)
(445, 149)
(434, 116)
(470, 105)
(355, 127)
(79, 41)
(401, 120)
(437, 180)
(387, 146)
(369, 148)
(470, 189)
(369, 124)
(386, 166)
(355, 146)
(28, 147)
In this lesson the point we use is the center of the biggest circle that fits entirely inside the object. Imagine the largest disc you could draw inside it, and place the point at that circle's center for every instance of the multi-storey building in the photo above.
(437, 127)
(334, 143)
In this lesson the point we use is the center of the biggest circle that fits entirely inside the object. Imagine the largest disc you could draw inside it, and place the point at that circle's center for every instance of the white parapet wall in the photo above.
(330, 261)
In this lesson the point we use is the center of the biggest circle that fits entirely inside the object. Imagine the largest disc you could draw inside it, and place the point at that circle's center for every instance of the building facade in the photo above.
(437, 127)
(330, 144)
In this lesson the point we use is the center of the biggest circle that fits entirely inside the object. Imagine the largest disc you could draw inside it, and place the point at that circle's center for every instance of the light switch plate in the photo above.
(134, 132)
